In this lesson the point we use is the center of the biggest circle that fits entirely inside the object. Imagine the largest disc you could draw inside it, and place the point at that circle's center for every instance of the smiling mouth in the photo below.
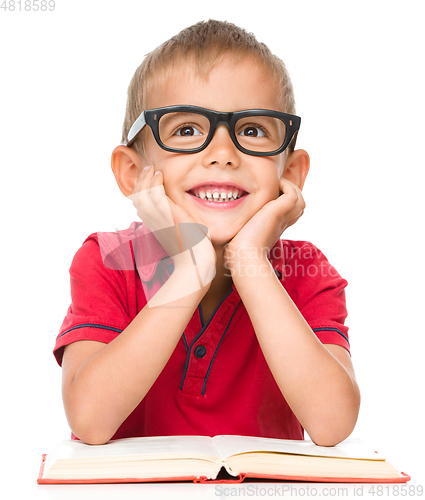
(218, 194)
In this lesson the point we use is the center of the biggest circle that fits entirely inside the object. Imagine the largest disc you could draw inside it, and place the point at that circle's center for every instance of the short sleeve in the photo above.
(101, 306)
(318, 290)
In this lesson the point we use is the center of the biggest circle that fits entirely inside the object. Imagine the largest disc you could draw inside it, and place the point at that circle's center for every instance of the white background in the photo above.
(358, 78)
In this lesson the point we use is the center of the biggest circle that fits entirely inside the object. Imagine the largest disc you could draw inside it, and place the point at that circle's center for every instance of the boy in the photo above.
(251, 340)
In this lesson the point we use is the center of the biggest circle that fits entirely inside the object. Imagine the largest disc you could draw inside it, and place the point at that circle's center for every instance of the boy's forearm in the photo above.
(110, 383)
(318, 388)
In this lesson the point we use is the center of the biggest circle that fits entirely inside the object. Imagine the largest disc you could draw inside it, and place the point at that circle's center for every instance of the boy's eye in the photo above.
(253, 131)
(187, 131)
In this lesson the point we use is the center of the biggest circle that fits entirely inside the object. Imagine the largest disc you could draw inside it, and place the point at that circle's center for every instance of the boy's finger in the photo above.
(287, 186)
(159, 198)
(140, 194)
(160, 202)
(291, 193)
(145, 178)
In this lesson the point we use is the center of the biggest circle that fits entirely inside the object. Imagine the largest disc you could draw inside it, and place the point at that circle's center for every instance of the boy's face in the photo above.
(229, 87)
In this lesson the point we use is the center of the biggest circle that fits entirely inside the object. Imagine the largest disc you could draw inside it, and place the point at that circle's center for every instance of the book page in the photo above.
(145, 447)
(350, 448)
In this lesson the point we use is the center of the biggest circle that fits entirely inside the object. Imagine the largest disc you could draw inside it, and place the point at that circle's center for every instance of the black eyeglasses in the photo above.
(189, 129)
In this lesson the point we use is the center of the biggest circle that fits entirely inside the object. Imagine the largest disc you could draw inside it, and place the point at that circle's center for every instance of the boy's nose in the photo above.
(221, 149)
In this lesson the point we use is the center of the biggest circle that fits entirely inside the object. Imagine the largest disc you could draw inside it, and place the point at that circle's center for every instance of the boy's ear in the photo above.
(296, 167)
(126, 165)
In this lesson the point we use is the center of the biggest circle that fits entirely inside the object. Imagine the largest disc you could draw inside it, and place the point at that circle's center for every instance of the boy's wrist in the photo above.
(182, 289)
(249, 268)
(188, 279)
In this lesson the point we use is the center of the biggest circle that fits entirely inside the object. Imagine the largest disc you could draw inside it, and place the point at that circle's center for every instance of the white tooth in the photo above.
(202, 195)
(216, 195)
(223, 195)
(209, 195)
(235, 194)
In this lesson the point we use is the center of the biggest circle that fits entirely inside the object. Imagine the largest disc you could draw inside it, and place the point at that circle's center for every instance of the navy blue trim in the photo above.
(185, 342)
(324, 329)
(91, 325)
(218, 345)
(201, 315)
(215, 310)
(204, 327)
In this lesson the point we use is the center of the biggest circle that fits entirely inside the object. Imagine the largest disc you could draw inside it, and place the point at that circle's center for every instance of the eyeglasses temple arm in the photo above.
(135, 129)
(292, 142)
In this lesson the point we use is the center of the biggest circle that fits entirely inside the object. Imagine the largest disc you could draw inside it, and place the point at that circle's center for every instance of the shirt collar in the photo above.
(133, 247)
(147, 251)
(276, 256)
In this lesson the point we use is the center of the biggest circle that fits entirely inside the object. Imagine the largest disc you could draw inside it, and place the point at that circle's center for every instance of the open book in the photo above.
(203, 459)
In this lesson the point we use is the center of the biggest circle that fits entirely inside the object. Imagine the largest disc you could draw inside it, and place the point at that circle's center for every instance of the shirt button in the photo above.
(200, 351)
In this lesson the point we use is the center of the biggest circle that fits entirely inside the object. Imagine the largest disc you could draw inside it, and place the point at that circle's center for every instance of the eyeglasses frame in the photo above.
(151, 117)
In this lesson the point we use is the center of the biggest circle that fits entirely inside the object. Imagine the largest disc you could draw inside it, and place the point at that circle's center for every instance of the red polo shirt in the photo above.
(217, 380)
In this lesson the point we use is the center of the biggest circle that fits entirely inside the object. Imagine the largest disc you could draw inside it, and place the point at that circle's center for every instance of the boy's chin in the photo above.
(219, 243)
(218, 239)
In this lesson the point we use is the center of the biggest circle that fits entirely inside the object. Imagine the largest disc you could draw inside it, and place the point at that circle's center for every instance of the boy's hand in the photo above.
(191, 245)
(262, 231)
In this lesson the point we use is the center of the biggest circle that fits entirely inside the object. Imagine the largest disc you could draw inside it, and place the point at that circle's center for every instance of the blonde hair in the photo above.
(204, 45)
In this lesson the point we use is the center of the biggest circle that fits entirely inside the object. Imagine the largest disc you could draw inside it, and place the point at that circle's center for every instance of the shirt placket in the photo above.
(203, 343)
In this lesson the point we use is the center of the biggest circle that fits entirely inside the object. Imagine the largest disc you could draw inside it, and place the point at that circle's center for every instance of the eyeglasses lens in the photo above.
(183, 130)
(260, 133)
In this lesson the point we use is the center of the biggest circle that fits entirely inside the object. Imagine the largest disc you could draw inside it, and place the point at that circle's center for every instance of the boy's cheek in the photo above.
(168, 161)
